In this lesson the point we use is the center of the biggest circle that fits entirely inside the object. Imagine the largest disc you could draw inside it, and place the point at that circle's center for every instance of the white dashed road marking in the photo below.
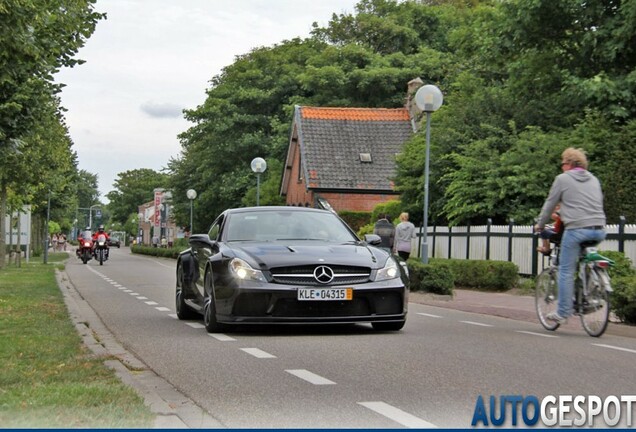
(615, 348)
(309, 376)
(258, 353)
(429, 315)
(397, 415)
(162, 309)
(222, 337)
(537, 334)
(173, 316)
(195, 325)
(151, 303)
(476, 323)
(142, 298)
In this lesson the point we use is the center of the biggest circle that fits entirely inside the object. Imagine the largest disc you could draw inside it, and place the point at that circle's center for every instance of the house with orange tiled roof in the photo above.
(344, 158)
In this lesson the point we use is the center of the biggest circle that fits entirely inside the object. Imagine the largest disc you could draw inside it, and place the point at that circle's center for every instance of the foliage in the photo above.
(391, 209)
(623, 300)
(355, 219)
(623, 266)
(172, 252)
(436, 277)
(133, 188)
(483, 274)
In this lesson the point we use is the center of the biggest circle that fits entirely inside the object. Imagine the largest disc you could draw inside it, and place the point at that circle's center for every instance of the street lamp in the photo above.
(90, 215)
(258, 166)
(428, 98)
(191, 194)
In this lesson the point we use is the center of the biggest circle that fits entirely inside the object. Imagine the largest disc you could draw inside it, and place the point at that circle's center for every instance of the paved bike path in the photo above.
(506, 305)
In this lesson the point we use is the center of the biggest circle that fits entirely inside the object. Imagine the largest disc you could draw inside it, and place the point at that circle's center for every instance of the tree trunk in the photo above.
(3, 217)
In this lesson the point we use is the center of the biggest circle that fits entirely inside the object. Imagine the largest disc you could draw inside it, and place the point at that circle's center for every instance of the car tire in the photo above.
(184, 312)
(388, 326)
(209, 306)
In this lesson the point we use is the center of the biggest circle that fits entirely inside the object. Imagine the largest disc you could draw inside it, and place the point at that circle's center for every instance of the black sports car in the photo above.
(283, 265)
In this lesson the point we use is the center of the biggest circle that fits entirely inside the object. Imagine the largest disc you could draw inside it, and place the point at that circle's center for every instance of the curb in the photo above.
(172, 409)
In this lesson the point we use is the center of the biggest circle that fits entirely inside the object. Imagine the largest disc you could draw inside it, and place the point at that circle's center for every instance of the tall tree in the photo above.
(133, 188)
(37, 37)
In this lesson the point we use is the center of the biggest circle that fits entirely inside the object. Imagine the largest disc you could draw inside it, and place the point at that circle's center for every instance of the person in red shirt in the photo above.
(100, 231)
(551, 233)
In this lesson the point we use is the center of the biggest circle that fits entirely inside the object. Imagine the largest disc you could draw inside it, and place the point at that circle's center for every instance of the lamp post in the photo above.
(428, 98)
(258, 166)
(191, 194)
(90, 215)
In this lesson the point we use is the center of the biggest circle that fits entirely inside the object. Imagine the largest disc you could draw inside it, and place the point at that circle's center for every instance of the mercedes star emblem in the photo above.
(323, 274)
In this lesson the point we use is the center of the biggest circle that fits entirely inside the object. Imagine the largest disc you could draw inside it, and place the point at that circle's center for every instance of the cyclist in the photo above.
(580, 196)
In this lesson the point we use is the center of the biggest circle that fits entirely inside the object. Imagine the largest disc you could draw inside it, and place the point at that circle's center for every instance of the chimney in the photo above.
(411, 106)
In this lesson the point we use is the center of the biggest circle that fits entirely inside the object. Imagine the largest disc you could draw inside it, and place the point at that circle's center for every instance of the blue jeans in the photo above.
(568, 259)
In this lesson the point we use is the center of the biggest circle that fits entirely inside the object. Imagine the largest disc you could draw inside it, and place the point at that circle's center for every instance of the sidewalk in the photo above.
(505, 305)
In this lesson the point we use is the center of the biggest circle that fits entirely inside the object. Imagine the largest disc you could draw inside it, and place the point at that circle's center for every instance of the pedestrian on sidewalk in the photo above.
(404, 234)
(386, 231)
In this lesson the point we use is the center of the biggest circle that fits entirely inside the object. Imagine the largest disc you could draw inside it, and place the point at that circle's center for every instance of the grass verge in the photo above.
(48, 379)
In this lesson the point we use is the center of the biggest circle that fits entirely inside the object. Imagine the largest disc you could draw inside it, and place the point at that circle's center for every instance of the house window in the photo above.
(365, 157)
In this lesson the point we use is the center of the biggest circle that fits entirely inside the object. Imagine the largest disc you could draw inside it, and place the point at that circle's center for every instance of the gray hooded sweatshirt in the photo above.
(581, 199)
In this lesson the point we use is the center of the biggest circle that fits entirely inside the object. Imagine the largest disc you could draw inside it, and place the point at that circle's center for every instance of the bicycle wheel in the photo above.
(596, 307)
(546, 297)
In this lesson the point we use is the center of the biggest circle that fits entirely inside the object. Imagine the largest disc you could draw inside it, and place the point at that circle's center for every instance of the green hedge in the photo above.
(623, 299)
(483, 275)
(355, 219)
(435, 277)
(158, 252)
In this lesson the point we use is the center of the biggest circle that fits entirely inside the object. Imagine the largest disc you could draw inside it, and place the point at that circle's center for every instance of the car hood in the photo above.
(269, 255)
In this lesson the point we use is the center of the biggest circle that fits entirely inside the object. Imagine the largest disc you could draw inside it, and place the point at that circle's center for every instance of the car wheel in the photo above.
(388, 326)
(209, 307)
(184, 311)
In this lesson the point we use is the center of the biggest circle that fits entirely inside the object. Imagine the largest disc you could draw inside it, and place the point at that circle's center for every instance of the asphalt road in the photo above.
(429, 374)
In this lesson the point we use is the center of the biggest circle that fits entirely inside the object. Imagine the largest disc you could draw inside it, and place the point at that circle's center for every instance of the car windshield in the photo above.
(273, 225)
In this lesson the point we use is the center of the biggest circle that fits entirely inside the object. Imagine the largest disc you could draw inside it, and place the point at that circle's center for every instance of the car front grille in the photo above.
(304, 275)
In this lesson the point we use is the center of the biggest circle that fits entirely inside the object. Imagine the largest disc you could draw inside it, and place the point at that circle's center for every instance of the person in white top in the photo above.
(404, 233)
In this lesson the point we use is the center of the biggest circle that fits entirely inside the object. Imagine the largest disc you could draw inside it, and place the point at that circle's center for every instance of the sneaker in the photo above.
(554, 316)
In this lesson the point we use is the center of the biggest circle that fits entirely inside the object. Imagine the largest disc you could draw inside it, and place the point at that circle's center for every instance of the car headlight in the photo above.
(389, 271)
(243, 271)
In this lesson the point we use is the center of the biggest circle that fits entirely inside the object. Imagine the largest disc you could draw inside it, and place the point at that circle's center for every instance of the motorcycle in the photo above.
(85, 251)
(101, 249)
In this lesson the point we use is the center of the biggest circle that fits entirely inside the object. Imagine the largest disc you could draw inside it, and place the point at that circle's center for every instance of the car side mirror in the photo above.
(372, 239)
(200, 238)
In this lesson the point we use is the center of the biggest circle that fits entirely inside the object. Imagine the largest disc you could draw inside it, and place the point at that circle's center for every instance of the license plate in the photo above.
(325, 294)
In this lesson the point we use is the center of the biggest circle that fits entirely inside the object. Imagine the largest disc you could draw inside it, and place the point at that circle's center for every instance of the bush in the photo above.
(483, 275)
(391, 208)
(365, 229)
(158, 252)
(433, 277)
(623, 300)
(355, 219)
(622, 264)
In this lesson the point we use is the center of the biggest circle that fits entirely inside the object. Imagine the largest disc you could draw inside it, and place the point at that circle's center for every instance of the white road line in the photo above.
(222, 337)
(397, 415)
(127, 291)
(162, 309)
(123, 288)
(142, 298)
(537, 334)
(195, 325)
(134, 294)
(173, 316)
(615, 348)
(258, 353)
(428, 315)
(162, 264)
(117, 285)
(309, 376)
(476, 323)
(112, 282)
(151, 303)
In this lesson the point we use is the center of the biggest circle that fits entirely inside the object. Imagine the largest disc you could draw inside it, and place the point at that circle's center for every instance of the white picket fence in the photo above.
(501, 236)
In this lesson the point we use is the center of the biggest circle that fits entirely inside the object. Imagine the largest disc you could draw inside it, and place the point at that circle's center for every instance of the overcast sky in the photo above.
(152, 58)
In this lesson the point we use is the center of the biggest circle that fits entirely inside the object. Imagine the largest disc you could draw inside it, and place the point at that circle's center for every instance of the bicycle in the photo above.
(592, 290)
